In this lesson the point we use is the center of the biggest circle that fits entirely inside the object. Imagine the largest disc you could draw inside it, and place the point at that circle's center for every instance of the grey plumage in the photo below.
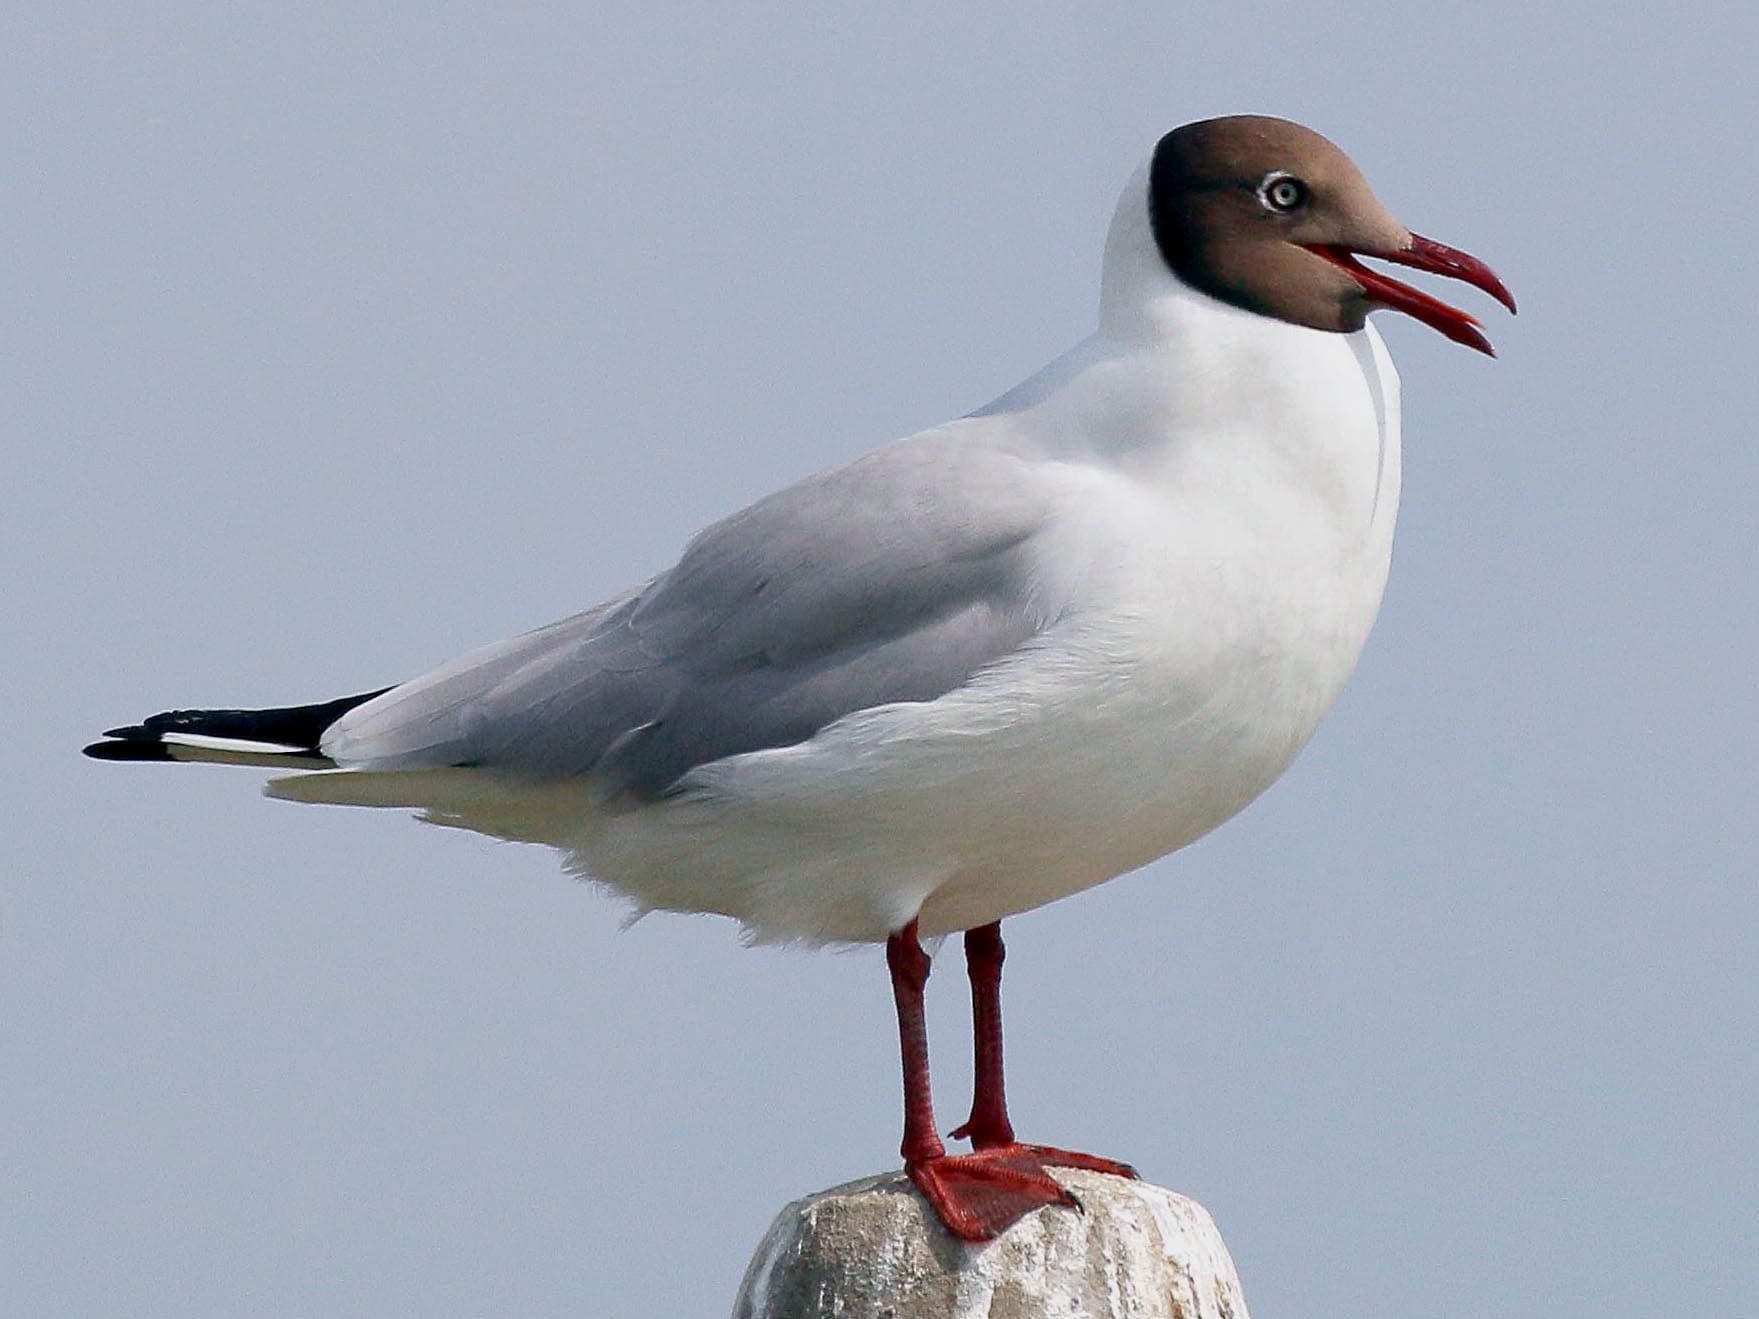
(891, 579)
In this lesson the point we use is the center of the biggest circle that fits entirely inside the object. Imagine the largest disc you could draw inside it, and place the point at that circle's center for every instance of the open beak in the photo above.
(1438, 259)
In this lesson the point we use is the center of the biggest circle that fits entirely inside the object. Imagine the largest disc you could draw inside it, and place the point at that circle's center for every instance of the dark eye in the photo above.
(1282, 192)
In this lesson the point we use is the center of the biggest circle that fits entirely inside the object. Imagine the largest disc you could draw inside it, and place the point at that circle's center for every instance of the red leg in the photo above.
(909, 966)
(988, 1126)
(977, 1196)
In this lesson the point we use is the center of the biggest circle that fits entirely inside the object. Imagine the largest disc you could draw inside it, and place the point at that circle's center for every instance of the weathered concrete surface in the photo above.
(872, 1250)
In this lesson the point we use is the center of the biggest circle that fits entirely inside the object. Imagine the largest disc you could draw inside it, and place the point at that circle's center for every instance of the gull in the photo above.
(982, 668)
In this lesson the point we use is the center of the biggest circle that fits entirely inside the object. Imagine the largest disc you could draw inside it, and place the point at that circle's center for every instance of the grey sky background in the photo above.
(342, 342)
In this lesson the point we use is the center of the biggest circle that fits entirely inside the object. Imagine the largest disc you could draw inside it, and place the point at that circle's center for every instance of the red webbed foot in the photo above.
(1052, 1157)
(980, 1195)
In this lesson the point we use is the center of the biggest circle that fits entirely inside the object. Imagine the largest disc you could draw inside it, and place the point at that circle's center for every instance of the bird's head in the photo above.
(1267, 215)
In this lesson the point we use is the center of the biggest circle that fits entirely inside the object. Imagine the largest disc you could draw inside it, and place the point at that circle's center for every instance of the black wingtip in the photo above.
(294, 728)
(128, 750)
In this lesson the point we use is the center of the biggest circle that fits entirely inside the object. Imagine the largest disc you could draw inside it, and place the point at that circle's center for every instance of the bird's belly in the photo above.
(1143, 780)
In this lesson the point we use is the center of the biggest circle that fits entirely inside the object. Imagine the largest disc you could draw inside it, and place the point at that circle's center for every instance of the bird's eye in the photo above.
(1282, 192)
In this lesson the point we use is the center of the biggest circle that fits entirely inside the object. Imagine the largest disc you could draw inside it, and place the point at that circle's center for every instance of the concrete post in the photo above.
(872, 1250)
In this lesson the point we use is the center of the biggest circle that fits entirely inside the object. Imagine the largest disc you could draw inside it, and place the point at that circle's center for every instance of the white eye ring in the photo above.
(1281, 192)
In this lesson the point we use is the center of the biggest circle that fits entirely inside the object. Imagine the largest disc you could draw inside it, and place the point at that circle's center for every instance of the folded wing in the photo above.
(892, 579)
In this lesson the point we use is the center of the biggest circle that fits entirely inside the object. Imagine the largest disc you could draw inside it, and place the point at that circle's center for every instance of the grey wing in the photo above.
(892, 579)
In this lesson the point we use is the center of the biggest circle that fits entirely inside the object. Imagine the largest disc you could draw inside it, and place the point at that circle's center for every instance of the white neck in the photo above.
(1134, 279)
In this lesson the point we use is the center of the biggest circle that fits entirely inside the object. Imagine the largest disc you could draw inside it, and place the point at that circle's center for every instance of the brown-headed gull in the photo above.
(984, 667)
